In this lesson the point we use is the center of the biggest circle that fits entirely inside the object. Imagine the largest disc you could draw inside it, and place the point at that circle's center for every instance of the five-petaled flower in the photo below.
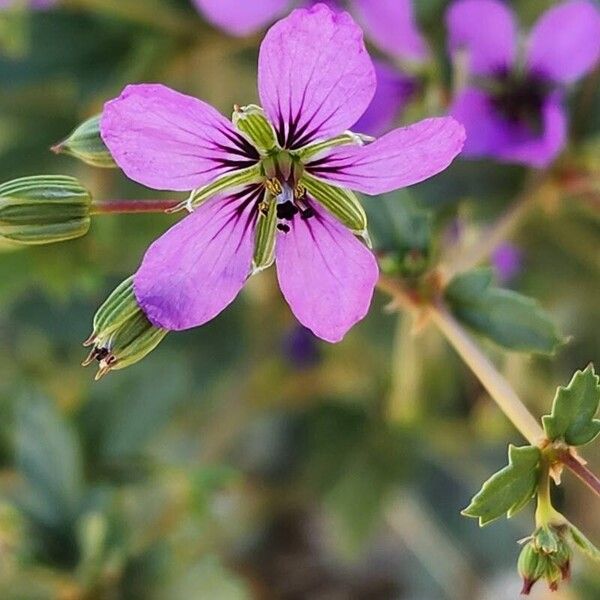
(274, 186)
(512, 106)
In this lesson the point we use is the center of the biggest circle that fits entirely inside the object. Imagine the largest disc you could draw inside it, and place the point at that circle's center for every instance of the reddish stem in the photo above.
(581, 471)
(111, 207)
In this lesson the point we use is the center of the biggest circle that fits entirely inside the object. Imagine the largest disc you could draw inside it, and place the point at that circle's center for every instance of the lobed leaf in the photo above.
(510, 489)
(573, 410)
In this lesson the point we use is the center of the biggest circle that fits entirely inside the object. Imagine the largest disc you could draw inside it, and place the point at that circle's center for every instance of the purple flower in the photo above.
(300, 347)
(507, 261)
(512, 106)
(272, 186)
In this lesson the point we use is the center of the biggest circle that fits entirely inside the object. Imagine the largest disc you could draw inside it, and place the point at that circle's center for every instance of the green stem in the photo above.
(545, 513)
(116, 207)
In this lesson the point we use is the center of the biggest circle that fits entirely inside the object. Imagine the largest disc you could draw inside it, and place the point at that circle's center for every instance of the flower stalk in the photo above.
(119, 207)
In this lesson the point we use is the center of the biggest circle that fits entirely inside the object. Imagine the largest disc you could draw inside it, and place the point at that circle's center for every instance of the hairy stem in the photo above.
(116, 207)
(497, 386)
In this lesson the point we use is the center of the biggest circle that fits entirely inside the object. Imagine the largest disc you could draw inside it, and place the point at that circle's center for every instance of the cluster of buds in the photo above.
(43, 209)
(546, 555)
(122, 334)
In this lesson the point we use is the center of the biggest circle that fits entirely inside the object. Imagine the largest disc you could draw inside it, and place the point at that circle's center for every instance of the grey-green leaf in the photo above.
(512, 320)
(508, 490)
(574, 408)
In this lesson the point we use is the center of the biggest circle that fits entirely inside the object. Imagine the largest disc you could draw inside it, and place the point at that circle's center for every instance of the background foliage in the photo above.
(246, 459)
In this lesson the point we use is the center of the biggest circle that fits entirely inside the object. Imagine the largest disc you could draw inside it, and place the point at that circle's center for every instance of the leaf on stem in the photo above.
(512, 320)
(508, 490)
(584, 544)
(572, 419)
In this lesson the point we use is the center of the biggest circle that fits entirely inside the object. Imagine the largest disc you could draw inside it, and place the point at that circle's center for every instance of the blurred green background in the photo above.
(245, 459)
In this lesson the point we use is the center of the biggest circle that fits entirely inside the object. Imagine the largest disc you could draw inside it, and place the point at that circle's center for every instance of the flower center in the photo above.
(520, 99)
(283, 172)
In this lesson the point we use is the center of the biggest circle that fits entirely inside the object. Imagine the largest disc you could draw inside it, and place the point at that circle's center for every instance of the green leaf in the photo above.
(508, 490)
(573, 410)
(512, 320)
(584, 544)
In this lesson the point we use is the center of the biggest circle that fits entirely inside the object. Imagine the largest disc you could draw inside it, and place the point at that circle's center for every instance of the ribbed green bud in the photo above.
(251, 121)
(264, 237)
(44, 209)
(122, 334)
(85, 143)
(349, 138)
(531, 565)
(341, 203)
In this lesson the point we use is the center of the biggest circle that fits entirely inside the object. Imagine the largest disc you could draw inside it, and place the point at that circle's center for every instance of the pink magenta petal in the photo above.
(400, 158)
(394, 91)
(326, 275)
(191, 273)
(486, 31)
(168, 141)
(315, 78)
(565, 42)
(391, 25)
(241, 18)
(489, 134)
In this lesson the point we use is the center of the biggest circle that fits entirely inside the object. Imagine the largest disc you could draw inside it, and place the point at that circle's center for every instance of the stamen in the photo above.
(274, 187)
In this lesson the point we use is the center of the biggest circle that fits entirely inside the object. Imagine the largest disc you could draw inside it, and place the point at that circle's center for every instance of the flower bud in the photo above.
(86, 144)
(531, 566)
(122, 334)
(43, 209)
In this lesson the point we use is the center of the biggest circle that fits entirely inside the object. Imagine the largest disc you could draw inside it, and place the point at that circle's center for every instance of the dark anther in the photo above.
(100, 353)
(286, 211)
(283, 227)
(307, 213)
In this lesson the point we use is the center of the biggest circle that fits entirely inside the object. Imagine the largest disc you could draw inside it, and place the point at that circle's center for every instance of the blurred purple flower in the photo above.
(300, 347)
(33, 4)
(315, 80)
(389, 24)
(507, 261)
(512, 107)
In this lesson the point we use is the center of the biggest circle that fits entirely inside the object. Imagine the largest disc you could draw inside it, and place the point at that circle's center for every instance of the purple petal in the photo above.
(191, 273)
(241, 18)
(489, 134)
(390, 24)
(393, 93)
(486, 30)
(400, 158)
(315, 77)
(168, 141)
(565, 42)
(507, 261)
(326, 275)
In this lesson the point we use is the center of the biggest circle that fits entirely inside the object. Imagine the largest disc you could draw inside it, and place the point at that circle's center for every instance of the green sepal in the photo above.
(120, 305)
(251, 122)
(508, 490)
(581, 541)
(512, 320)
(341, 203)
(224, 183)
(44, 209)
(348, 138)
(86, 144)
(573, 410)
(265, 235)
